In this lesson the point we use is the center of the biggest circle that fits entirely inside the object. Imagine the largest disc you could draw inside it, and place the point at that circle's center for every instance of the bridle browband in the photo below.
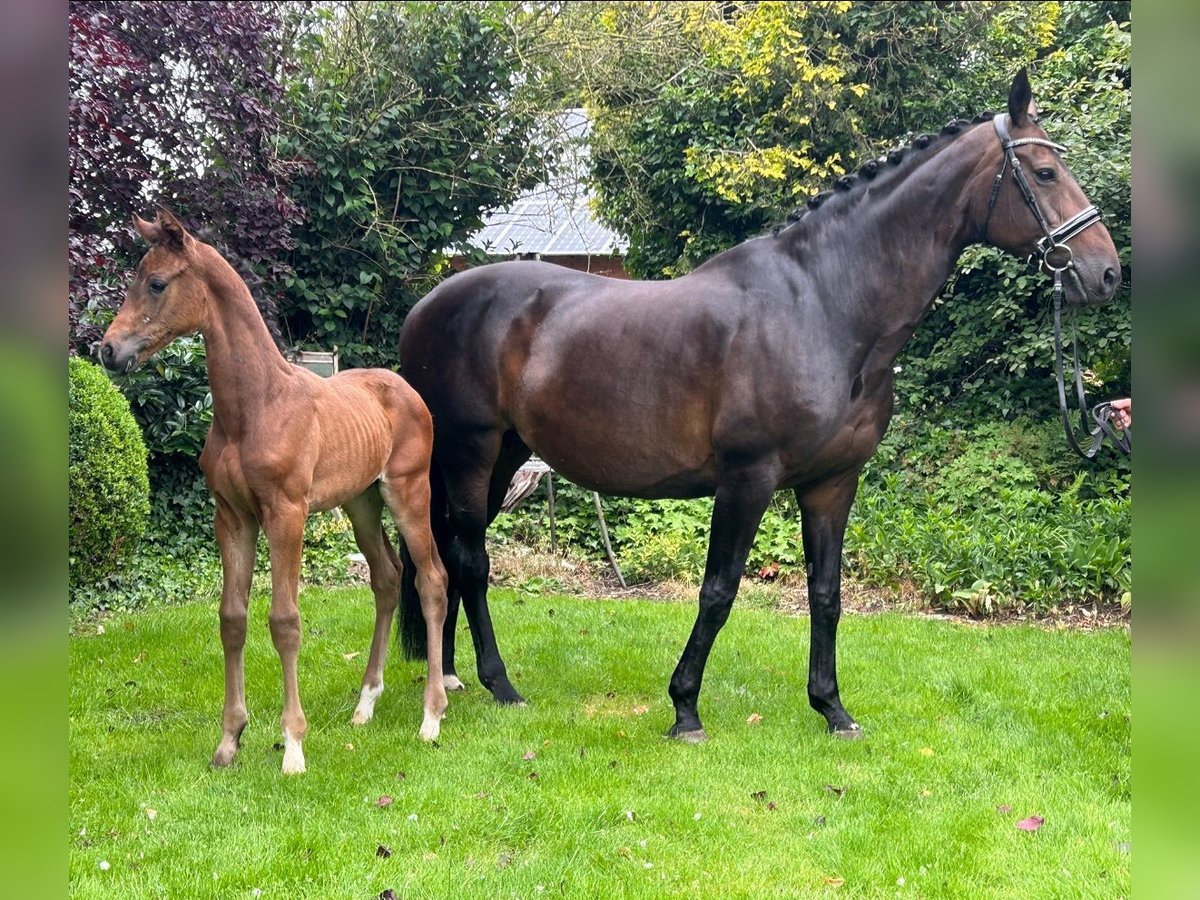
(1056, 255)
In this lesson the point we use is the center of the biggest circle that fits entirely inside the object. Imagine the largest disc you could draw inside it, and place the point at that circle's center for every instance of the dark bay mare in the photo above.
(285, 442)
(767, 367)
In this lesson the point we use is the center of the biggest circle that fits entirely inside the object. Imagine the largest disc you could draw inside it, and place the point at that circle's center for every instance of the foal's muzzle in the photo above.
(118, 358)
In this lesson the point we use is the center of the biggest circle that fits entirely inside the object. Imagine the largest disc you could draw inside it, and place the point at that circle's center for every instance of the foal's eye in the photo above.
(157, 285)
(1045, 175)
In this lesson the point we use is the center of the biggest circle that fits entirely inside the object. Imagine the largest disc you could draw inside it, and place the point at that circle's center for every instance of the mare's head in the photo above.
(168, 297)
(1037, 208)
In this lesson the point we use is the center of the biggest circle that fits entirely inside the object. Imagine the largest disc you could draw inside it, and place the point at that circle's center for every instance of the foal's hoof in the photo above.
(693, 736)
(851, 732)
(225, 755)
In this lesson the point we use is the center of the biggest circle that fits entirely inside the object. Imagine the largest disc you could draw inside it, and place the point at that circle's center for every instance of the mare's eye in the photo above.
(157, 285)
(1045, 175)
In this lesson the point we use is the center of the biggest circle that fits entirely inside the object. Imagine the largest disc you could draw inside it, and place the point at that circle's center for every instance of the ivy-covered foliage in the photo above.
(408, 120)
(108, 488)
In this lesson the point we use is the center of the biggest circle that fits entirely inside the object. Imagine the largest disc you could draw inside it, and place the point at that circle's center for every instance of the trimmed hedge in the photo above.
(108, 481)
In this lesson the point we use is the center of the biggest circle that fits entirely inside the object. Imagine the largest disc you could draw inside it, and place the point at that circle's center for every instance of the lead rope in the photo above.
(1101, 413)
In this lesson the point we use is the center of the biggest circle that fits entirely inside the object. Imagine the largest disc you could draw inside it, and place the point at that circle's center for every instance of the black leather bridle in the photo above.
(1055, 255)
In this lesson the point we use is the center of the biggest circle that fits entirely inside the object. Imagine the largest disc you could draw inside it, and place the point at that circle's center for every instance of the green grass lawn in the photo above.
(969, 729)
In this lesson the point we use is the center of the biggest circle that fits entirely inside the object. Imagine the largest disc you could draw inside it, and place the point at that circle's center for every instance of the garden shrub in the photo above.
(108, 484)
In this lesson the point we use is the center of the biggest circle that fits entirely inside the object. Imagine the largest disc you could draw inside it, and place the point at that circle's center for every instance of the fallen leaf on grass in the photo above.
(835, 882)
(1004, 809)
(753, 719)
(529, 754)
(384, 801)
(834, 789)
(383, 852)
(760, 796)
(640, 710)
(1033, 823)
(532, 776)
(350, 656)
(926, 751)
(389, 894)
(151, 813)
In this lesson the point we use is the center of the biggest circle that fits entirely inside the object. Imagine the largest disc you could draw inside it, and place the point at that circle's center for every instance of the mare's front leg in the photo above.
(824, 510)
(283, 521)
(741, 500)
(236, 536)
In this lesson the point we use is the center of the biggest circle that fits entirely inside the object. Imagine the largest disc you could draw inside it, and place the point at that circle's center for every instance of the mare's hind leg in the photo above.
(513, 453)
(365, 512)
(236, 536)
(824, 510)
(741, 500)
(407, 496)
(468, 465)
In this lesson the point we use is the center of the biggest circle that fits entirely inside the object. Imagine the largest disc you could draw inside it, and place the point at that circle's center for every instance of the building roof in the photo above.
(553, 219)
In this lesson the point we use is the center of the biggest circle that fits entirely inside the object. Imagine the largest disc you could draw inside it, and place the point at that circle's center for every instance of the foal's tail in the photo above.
(410, 622)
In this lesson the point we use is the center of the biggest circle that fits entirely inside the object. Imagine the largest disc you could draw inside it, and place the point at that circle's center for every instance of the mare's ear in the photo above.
(174, 235)
(1020, 100)
(149, 231)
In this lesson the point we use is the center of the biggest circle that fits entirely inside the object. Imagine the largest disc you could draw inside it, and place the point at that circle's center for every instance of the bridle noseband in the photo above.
(1056, 255)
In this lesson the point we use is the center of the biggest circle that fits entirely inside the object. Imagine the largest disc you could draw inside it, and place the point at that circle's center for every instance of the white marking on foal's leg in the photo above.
(431, 726)
(293, 755)
(366, 704)
(453, 684)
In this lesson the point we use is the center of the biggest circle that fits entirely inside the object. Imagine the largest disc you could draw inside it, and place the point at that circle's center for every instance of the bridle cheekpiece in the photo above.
(1056, 255)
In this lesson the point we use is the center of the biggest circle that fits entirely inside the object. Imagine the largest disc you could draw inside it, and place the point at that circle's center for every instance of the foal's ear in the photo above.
(149, 231)
(174, 235)
(1020, 100)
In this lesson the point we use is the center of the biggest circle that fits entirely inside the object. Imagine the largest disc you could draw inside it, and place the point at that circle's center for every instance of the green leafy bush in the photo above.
(986, 519)
(108, 485)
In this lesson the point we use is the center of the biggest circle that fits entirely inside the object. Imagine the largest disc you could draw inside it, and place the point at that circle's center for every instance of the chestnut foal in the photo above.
(284, 443)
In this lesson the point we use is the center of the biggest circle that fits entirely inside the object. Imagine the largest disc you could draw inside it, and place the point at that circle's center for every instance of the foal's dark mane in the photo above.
(885, 167)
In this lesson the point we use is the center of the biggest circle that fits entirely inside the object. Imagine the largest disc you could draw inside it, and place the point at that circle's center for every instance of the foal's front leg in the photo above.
(284, 525)
(236, 537)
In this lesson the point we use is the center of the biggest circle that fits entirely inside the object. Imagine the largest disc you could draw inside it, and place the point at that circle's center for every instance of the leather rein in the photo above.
(1056, 256)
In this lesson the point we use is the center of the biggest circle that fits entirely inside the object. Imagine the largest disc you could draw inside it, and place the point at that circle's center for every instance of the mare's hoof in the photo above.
(694, 736)
(508, 696)
(452, 683)
(851, 732)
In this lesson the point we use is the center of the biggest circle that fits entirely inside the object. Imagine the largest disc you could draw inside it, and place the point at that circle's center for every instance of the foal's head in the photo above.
(168, 297)
(1085, 252)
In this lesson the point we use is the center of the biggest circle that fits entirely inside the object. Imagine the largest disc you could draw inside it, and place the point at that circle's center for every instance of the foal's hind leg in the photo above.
(824, 510)
(236, 537)
(407, 496)
(365, 512)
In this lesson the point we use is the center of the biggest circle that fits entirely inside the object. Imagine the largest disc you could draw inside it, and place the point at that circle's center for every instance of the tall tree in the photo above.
(173, 103)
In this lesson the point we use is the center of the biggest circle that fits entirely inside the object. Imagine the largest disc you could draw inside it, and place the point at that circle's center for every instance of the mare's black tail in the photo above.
(410, 623)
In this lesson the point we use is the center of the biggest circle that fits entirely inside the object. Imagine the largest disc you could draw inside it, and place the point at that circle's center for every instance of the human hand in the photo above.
(1122, 412)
